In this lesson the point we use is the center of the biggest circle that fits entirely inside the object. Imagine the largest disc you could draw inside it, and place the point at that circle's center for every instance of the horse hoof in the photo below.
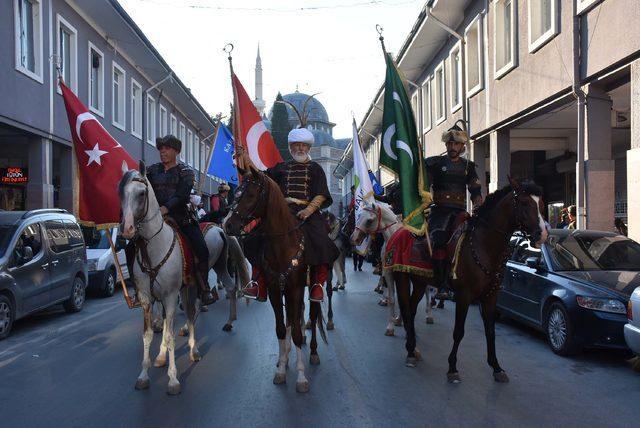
(341, 288)
(314, 359)
(280, 379)
(204, 308)
(330, 325)
(183, 332)
(227, 327)
(389, 332)
(429, 320)
(160, 362)
(397, 321)
(454, 377)
(501, 377)
(440, 305)
(195, 356)
(142, 384)
(411, 362)
(156, 327)
(417, 354)
(302, 387)
(174, 389)
(308, 325)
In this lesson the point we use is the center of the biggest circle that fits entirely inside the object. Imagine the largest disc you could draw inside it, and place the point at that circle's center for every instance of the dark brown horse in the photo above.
(282, 262)
(477, 270)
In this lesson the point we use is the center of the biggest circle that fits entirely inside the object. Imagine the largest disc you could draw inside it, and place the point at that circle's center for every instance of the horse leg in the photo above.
(488, 312)
(281, 332)
(343, 270)
(330, 325)
(161, 358)
(388, 278)
(233, 311)
(314, 358)
(189, 300)
(295, 298)
(419, 285)
(429, 318)
(173, 388)
(403, 289)
(462, 307)
(147, 338)
(158, 319)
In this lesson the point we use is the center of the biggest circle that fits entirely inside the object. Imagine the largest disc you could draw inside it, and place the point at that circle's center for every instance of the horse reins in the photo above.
(378, 214)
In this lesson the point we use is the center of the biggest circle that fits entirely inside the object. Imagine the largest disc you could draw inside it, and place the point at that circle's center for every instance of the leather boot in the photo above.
(207, 296)
(439, 276)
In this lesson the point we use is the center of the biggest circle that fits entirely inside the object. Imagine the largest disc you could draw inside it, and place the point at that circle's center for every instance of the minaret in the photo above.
(258, 102)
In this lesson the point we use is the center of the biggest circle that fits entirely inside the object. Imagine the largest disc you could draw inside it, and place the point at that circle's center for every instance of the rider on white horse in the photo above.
(172, 182)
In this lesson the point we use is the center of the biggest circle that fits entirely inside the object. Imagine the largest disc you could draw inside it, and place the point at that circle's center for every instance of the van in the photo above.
(103, 275)
(43, 262)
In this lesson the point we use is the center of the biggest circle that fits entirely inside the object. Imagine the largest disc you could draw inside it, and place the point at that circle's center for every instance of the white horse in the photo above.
(378, 217)
(157, 274)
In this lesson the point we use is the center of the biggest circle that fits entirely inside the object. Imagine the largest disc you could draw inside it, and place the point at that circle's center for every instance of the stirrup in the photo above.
(250, 284)
(317, 284)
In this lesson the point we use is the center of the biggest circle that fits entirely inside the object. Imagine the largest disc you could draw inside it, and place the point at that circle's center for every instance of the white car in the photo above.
(632, 328)
(102, 269)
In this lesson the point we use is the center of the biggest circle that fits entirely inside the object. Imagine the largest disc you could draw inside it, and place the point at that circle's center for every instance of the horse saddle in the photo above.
(188, 257)
(458, 226)
(206, 226)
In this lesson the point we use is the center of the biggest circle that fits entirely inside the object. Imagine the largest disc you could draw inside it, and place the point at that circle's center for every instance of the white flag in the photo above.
(362, 183)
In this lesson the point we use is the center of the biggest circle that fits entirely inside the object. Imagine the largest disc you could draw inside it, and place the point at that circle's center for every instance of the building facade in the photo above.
(108, 62)
(548, 89)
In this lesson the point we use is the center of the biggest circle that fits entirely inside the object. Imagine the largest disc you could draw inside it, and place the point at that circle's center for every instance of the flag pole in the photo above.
(125, 292)
(203, 174)
(237, 139)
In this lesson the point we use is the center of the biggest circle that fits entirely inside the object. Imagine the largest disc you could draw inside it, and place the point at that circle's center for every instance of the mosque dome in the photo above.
(316, 111)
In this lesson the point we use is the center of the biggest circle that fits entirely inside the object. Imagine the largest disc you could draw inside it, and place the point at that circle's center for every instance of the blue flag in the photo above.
(221, 165)
(377, 188)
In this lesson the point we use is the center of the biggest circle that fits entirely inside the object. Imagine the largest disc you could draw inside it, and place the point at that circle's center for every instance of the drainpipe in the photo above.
(145, 95)
(578, 93)
(463, 60)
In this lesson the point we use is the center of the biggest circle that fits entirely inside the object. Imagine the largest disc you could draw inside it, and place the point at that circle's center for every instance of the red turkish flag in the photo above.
(101, 162)
(250, 130)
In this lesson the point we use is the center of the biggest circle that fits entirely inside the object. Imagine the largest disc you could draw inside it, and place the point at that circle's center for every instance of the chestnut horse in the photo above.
(282, 262)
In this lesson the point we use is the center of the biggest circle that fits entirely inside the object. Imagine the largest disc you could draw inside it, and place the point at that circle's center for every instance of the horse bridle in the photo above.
(139, 221)
(378, 215)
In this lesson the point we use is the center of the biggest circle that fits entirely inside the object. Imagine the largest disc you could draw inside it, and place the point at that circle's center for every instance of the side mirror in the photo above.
(533, 263)
(27, 255)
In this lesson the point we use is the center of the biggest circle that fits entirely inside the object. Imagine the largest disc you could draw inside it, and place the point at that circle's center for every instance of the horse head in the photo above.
(136, 200)
(527, 211)
(367, 222)
(249, 201)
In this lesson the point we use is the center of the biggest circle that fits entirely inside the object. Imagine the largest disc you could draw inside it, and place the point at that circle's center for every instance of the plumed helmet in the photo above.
(455, 134)
(301, 135)
(223, 188)
(170, 141)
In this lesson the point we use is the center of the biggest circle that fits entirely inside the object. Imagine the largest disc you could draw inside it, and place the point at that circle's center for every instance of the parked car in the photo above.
(632, 328)
(575, 288)
(103, 275)
(42, 262)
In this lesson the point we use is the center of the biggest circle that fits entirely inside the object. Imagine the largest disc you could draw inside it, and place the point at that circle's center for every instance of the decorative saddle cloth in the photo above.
(188, 259)
(206, 226)
(406, 253)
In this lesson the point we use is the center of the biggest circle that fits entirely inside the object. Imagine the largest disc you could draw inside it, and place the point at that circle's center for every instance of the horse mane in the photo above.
(126, 179)
(277, 206)
(492, 199)
(384, 205)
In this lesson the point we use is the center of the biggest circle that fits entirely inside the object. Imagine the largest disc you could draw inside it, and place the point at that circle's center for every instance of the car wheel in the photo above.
(109, 285)
(559, 330)
(6, 316)
(76, 300)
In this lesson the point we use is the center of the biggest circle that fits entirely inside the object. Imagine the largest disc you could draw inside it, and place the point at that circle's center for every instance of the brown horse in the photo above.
(282, 262)
(479, 264)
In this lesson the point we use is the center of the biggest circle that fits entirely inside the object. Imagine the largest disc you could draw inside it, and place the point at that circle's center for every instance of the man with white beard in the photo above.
(304, 185)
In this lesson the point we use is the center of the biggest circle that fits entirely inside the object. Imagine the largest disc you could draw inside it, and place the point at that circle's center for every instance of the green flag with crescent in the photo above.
(401, 151)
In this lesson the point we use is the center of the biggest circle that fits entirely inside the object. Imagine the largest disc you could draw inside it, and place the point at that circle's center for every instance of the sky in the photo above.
(325, 46)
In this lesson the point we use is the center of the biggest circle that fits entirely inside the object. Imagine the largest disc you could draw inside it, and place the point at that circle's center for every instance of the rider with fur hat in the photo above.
(172, 182)
(304, 185)
(450, 176)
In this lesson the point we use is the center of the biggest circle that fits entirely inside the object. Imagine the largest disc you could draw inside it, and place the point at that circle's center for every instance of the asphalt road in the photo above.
(79, 370)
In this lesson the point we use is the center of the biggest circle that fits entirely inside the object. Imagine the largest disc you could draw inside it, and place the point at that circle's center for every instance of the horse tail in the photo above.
(316, 315)
(222, 260)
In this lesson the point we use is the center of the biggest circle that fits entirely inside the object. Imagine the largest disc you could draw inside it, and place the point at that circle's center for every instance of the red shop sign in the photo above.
(14, 175)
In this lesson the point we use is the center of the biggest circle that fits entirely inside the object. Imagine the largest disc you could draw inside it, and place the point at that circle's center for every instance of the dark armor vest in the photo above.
(450, 180)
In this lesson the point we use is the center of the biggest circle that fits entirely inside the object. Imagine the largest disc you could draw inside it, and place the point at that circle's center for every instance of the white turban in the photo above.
(301, 135)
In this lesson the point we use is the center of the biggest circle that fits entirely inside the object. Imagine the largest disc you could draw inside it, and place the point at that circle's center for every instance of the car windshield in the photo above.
(593, 252)
(95, 239)
(6, 232)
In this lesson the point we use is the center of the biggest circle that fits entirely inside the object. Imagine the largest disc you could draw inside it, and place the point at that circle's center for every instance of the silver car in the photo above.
(42, 262)
(632, 328)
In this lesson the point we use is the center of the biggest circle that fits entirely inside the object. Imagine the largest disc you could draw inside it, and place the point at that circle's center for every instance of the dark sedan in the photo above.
(575, 288)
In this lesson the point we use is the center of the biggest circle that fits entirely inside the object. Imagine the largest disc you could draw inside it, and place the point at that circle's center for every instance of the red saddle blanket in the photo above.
(459, 227)
(405, 253)
(206, 226)
(188, 260)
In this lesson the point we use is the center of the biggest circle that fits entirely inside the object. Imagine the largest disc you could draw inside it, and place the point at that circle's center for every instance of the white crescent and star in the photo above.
(95, 154)
(388, 136)
(253, 139)
(83, 117)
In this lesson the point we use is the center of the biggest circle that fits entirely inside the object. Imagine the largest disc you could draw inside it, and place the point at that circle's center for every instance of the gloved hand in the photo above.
(305, 213)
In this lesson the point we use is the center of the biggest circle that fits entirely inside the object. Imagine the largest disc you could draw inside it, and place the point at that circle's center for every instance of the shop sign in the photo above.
(14, 175)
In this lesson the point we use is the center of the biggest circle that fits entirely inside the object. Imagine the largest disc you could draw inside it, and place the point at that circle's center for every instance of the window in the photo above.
(163, 121)
(455, 78)
(504, 37)
(67, 51)
(136, 109)
(196, 150)
(96, 80)
(585, 5)
(543, 22)
(190, 147)
(183, 139)
(57, 236)
(28, 37)
(30, 237)
(203, 157)
(75, 234)
(473, 49)
(414, 107)
(426, 105)
(174, 126)
(151, 120)
(118, 96)
(440, 100)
